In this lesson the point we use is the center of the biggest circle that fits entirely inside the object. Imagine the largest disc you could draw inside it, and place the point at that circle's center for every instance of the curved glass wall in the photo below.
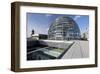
(64, 28)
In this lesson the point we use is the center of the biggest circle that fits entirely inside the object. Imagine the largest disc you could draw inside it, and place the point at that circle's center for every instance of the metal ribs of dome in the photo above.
(64, 28)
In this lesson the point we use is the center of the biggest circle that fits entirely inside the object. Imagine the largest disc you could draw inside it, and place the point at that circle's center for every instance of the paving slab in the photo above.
(80, 49)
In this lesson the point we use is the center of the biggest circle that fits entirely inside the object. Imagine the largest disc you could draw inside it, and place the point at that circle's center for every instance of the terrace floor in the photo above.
(80, 49)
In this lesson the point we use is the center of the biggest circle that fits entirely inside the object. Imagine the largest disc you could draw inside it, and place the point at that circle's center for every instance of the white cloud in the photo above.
(48, 15)
(77, 17)
(47, 29)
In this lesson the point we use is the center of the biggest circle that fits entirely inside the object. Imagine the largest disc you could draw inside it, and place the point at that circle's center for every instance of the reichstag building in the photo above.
(64, 28)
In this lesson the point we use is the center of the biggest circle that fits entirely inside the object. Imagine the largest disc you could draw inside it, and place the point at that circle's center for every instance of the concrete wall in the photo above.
(59, 44)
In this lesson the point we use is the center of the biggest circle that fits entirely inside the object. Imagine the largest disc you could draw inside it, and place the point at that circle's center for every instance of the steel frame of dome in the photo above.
(64, 28)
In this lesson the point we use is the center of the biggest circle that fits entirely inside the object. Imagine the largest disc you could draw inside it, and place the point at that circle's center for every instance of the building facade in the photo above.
(64, 28)
(39, 36)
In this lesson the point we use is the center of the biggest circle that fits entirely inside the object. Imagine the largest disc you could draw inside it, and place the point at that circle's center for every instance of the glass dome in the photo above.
(64, 28)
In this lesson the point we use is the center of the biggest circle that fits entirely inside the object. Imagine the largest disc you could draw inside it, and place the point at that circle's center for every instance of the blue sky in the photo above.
(41, 22)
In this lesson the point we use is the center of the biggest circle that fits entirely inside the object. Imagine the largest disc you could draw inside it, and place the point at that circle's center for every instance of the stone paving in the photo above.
(80, 49)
